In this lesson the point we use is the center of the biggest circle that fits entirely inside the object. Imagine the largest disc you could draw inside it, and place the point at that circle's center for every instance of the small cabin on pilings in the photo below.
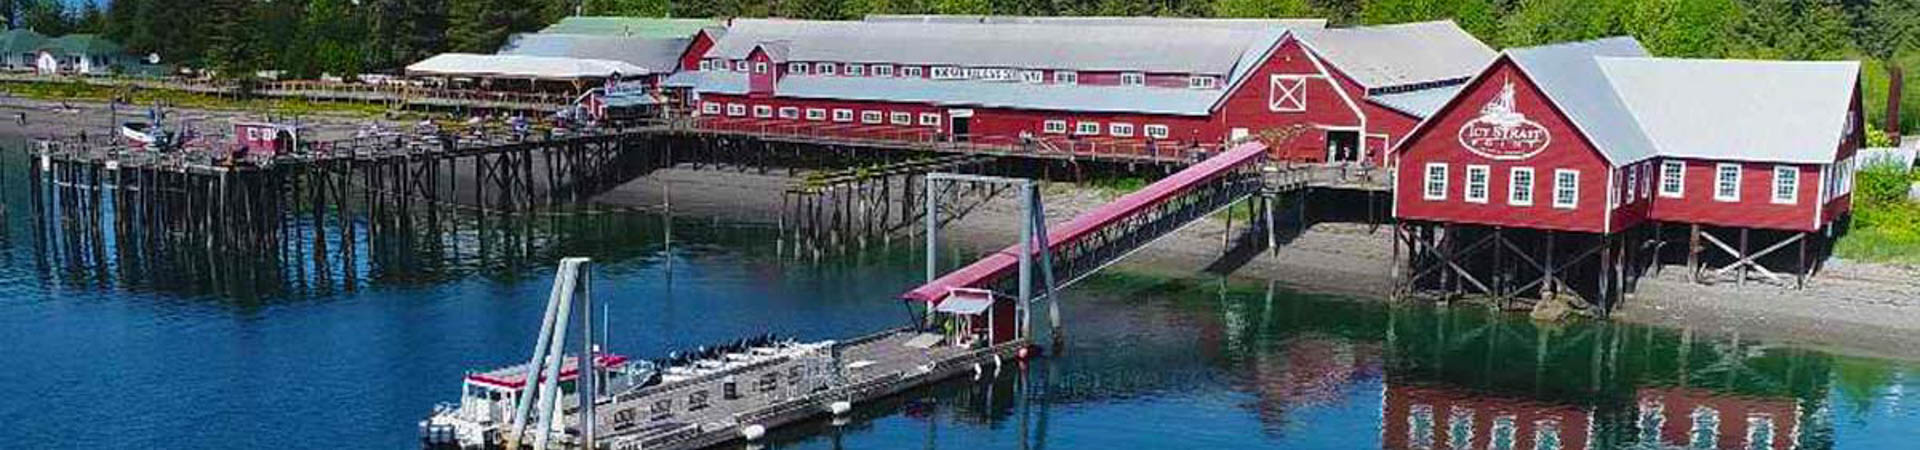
(1575, 168)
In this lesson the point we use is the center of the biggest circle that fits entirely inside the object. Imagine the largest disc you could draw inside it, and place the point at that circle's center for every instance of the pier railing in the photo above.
(932, 139)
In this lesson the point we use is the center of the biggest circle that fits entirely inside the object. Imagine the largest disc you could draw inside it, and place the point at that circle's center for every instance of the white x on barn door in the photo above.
(1287, 93)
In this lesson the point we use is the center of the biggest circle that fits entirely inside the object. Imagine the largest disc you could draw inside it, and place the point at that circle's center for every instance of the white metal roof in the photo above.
(522, 66)
(1776, 111)
(660, 55)
(1400, 54)
(1570, 77)
(1086, 98)
(1421, 103)
(1160, 49)
(1295, 23)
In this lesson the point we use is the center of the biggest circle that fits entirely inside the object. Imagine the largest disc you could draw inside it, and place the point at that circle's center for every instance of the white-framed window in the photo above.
(1436, 188)
(789, 112)
(798, 68)
(910, 71)
(740, 66)
(1726, 182)
(930, 119)
(823, 68)
(1646, 180)
(736, 109)
(1086, 128)
(882, 70)
(1786, 185)
(1477, 180)
(710, 107)
(1033, 76)
(1287, 93)
(816, 114)
(1566, 188)
(947, 73)
(1066, 77)
(843, 115)
(1054, 127)
(1156, 131)
(760, 67)
(1119, 129)
(706, 64)
(1633, 182)
(856, 70)
(1202, 82)
(1520, 186)
(762, 111)
(1133, 79)
(1673, 179)
(871, 117)
(900, 118)
(253, 134)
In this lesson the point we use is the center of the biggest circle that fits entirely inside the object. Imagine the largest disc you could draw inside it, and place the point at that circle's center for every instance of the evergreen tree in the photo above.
(1792, 29)
(1882, 29)
(404, 31)
(481, 26)
(1263, 8)
(231, 49)
(48, 17)
(91, 19)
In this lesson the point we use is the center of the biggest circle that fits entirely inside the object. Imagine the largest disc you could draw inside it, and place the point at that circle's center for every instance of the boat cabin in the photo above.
(263, 138)
(489, 396)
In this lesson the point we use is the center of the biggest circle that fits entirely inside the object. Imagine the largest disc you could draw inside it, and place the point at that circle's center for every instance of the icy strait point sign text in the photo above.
(1502, 133)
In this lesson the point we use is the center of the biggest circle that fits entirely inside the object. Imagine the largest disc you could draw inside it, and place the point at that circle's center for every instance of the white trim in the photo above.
(1679, 182)
(762, 111)
(1793, 196)
(1149, 131)
(1202, 82)
(911, 72)
(1278, 95)
(761, 67)
(1718, 171)
(1514, 186)
(736, 110)
(856, 70)
(842, 115)
(900, 118)
(1033, 76)
(872, 117)
(1485, 184)
(710, 108)
(1066, 77)
(1434, 182)
(882, 70)
(1086, 128)
(824, 68)
(1133, 79)
(1120, 129)
(788, 112)
(797, 68)
(816, 114)
(930, 119)
(1055, 126)
(1572, 198)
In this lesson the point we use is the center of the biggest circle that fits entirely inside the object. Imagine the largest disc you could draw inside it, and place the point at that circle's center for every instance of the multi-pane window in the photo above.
(740, 66)
(871, 117)
(882, 70)
(1436, 188)
(1054, 126)
(1086, 128)
(1133, 79)
(1520, 186)
(760, 67)
(1477, 183)
(1156, 131)
(816, 114)
(706, 64)
(798, 68)
(900, 118)
(856, 70)
(1066, 77)
(710, 107)
(1726, 182)
(736, 109)
(1633, 181)
(910, 71)
(1033, 76)
(789, 112)
(1566, 188)
(930, 119)
(1202, 82)
(762, 111)
(823, 68)
(1120, 129)
(843, 115)
(1673, 179)
(1786, 184)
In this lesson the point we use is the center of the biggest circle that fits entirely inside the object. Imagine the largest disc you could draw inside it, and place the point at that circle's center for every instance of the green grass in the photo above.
(1886, 226)
(1874, 91)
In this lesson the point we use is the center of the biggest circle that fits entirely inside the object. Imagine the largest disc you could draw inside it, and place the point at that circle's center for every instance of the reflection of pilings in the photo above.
(853, 209)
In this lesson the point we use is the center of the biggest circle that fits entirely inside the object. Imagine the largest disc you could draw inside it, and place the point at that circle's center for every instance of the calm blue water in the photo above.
(102, 355)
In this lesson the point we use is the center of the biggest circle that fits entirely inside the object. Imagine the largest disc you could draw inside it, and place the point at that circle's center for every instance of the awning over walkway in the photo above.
(966, 302)
(522, 66)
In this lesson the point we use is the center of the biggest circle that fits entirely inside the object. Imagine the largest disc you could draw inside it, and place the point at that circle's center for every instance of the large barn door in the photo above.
(962, 122)
(1343, 145)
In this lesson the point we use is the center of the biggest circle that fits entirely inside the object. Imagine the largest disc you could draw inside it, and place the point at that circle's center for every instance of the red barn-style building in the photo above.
(1089, 86)
(1602, 147)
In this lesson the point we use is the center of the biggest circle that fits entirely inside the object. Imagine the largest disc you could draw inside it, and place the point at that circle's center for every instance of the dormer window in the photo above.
(797, 68)
(1033, 76)
(740, 66)
(706, 64)
(882, 70)
(1202, 82)
(760, 67)
(1066, 77)
(856, 70)
(1133, 79)
(910, 71)
(823, 68)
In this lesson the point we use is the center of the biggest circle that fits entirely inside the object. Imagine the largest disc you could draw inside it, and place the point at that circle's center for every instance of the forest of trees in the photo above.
(309, 37)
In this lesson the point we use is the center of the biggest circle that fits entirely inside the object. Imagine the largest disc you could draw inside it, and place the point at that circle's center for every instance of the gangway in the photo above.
(1113, 231)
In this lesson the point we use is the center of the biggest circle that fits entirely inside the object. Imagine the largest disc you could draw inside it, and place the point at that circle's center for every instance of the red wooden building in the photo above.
(1089, 86)
(1603, 148)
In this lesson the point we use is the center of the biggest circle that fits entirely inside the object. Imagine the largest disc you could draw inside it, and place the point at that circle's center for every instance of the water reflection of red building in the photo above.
(1699, 418)
(1434, 417)
(1308, 371)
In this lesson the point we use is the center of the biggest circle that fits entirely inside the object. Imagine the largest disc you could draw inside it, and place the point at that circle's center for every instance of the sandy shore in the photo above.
(1854, 308)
